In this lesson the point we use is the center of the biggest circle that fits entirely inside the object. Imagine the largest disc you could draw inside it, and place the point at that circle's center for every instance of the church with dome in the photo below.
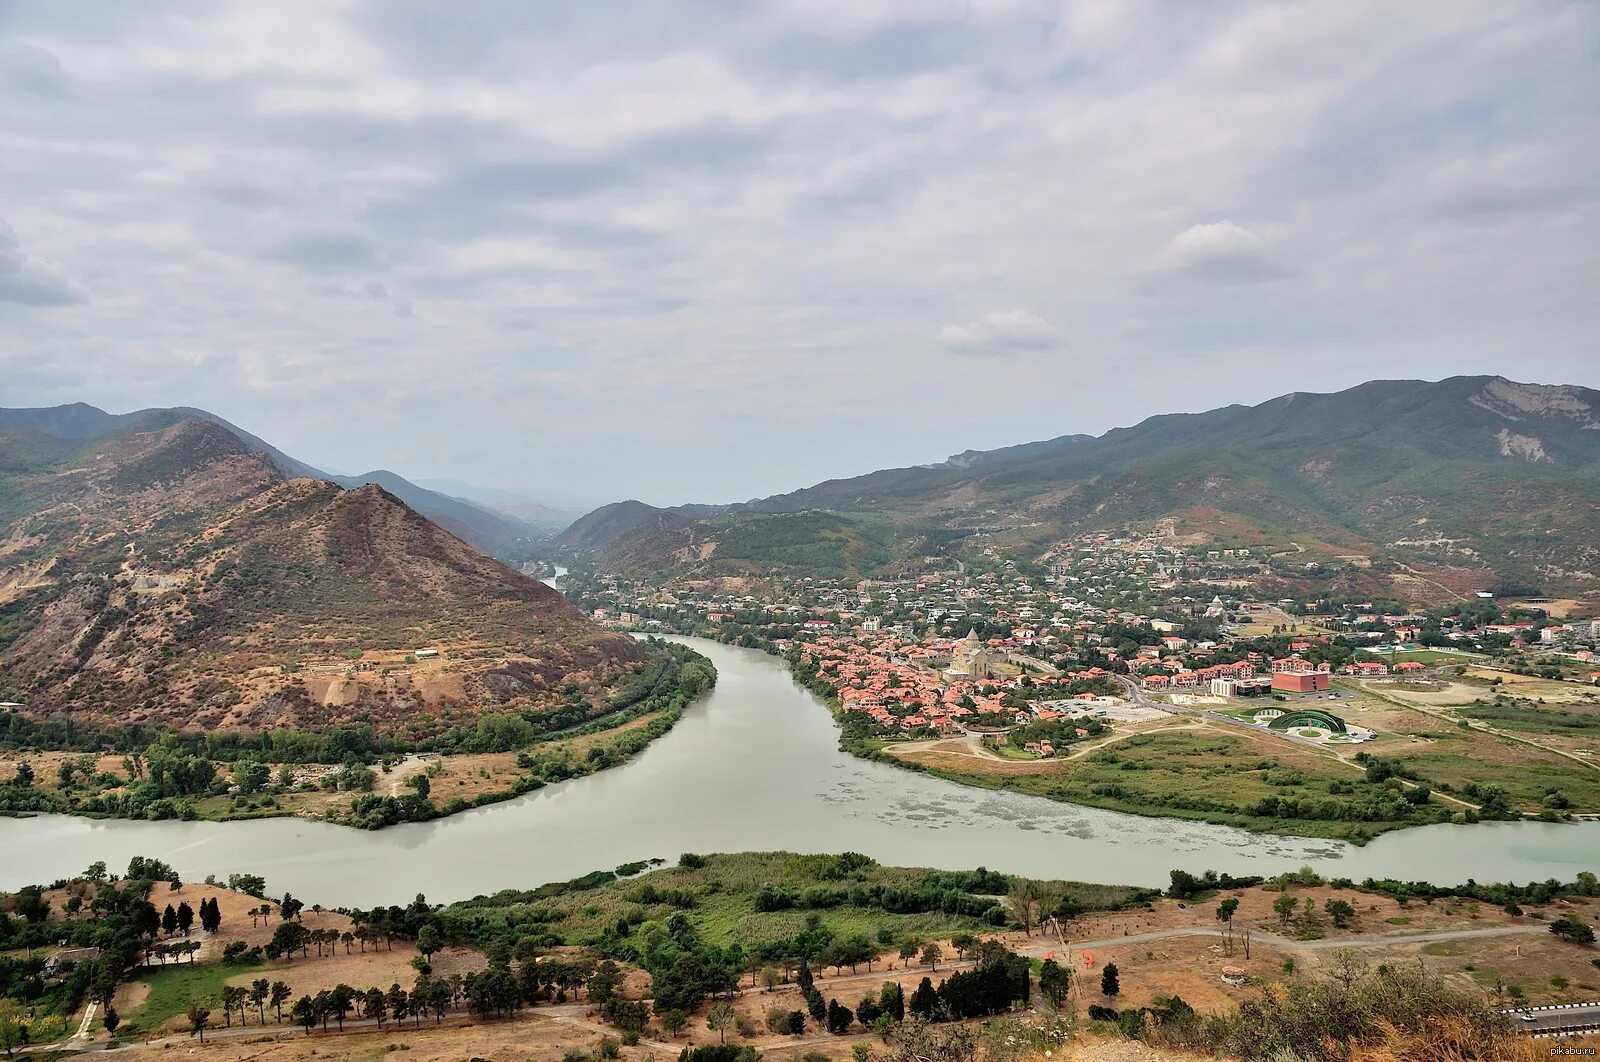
(971, 659)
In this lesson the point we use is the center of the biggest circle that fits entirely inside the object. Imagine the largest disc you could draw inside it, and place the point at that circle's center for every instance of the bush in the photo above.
(1325, 1019)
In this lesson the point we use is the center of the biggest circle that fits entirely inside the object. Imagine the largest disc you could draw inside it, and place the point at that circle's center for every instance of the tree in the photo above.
(12, 1031)
(111, 1019)
(375, 1006)
(428, 940)
(251, 776)
(1284, 907)
(1569, 928)
(1055, 981)
(260, 989)
(1024, 896)
(1340, 912)
(673, 1022)
(931, 954)
(199, 1016)
(629, 1015)
(279, 995)
(605, 981)
(233, 999)
(1110, 985)
(1226, 910)
(340, 999)
(31, 904)
(924, 1001)
(304, 1013)
(908, 951)
(720, 1019)
(399, 1003)
(892, 1001)
(185, 918)
(169, 921)
(839, 1018)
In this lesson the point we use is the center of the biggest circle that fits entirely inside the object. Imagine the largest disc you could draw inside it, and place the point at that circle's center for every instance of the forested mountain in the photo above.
(491, 532)
(1475, 474)
(167, 572)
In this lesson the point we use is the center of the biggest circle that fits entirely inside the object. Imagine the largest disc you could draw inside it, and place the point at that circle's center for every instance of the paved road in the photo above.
(1557, 1019)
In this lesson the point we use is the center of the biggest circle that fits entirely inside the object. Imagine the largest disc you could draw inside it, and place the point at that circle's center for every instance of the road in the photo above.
(1557, 1019)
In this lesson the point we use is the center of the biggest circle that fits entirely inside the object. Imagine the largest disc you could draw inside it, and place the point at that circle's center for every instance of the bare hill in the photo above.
(172, 575)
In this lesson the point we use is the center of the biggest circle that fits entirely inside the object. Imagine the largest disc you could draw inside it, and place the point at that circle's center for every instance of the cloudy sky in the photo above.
(710, 251)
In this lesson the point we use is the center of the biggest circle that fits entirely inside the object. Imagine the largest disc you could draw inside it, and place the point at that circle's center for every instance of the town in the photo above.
(979, 667)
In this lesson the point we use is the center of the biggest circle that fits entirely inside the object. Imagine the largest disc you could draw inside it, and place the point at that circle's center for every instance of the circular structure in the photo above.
(1312, 717)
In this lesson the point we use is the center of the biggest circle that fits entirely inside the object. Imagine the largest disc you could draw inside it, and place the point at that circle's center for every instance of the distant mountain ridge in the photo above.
(492, 532)
(1475, 473)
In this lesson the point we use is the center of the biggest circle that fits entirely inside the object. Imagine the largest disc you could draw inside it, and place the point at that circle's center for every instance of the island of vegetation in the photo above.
(720, 958)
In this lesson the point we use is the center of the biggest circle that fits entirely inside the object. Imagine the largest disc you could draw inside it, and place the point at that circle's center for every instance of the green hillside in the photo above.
(1473, 473)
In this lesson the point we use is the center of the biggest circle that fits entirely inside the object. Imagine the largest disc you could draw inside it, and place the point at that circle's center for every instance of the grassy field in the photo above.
(1427, 656)
(1534, 718)
(720, 899)
(171, 988)
(1257, 781)
(1462, 756)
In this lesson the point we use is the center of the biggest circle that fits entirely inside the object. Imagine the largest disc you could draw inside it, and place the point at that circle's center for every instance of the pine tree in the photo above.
(1109, 985)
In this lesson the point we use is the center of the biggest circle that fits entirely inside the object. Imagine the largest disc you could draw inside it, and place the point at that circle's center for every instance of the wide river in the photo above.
(756, 766)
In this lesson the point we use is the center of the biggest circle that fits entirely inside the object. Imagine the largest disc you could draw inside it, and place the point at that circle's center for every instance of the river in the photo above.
(756, 766)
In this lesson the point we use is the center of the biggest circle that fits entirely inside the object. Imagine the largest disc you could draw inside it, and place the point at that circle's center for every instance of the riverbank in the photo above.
(370, 792)
(757, 765)
(1189, 768)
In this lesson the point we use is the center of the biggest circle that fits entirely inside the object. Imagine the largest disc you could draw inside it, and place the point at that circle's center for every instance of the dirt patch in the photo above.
(378, 967)
(523, 1040)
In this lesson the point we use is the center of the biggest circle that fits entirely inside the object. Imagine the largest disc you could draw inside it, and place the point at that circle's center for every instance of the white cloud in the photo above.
(1221, 251)
(1000, 332)
(30, 280)
(509, 227)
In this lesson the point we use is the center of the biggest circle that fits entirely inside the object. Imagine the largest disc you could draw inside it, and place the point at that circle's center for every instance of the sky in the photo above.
(707, 252)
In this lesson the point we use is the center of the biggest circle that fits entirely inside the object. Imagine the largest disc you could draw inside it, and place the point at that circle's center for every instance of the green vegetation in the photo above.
(1531, 717)
(181, 775)
(171, 989)
(117, 928)
(1504, 778)
(761, 901)
(1221, 778)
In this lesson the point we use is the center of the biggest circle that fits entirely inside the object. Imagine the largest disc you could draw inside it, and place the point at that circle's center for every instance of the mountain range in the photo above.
(1466, 483)
(165, 568)
(495, 530)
